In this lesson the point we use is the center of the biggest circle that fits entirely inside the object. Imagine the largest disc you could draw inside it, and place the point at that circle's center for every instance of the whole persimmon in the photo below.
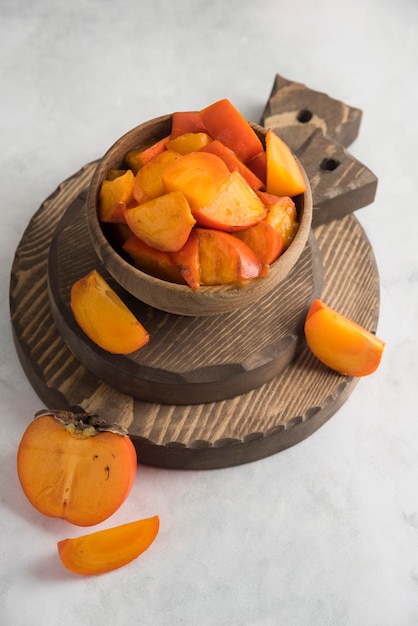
(74, 467)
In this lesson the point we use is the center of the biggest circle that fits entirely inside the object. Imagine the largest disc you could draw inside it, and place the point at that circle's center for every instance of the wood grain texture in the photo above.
(319, 129)
(264, 421)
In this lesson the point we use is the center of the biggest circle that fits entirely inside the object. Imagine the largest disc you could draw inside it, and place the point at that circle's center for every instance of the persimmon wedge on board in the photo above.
(107, 550)
(71, 469)
(104, 317)
(340, 343)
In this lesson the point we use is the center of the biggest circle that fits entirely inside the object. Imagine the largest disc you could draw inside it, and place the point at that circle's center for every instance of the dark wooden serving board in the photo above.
(279, 397)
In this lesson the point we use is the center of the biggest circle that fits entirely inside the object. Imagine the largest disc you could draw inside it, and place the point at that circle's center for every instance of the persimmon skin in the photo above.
(107, 550)
(340, 343)
(79, 474)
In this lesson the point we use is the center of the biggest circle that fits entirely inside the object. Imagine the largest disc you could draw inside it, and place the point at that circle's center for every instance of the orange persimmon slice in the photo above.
(282, 215)
(233, 163)
(264, 239)
(109, 549)
(104, 317)
(151, 261)
(187, 261)
(340, 343)
(201, 176)
(163, 223)
(71, 469)
(138, 157)
(189, 142)
(236, 207)
(186, 122)
(148, 183)
(226, 259)
(225, 123)
(119, 191)
(284, 176)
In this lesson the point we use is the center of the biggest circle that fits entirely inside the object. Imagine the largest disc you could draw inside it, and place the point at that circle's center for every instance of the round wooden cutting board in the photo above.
(286, 398)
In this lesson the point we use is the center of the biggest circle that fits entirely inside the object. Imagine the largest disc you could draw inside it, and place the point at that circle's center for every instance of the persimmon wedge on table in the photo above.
(230, 181)
(71, 468)
(107, 550)
(340, 343)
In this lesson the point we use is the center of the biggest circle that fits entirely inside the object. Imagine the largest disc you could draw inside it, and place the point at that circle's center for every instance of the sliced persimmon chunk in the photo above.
(236, 207)
(154, 262)
(226, 259)
(148, 183)
(264, 239)
(224, 122)
(189, 142)
(163, 223)
(282, 215)
(201, 176)
(120, 190)
(186, 122)
(187, 261)
(233, 163)
(340, 343)
(109, 549)
(284, 175)
(104, 317)
(138, 157)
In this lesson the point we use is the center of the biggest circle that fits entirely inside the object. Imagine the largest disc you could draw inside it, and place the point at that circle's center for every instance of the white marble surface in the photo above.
(325, 533)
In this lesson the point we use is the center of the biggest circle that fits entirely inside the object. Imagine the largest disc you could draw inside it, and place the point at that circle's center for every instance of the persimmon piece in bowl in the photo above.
(225, 191)
(74, 469)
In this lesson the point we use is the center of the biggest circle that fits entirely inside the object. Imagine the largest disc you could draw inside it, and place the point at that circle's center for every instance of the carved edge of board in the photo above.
(318, 129)
(200, 454)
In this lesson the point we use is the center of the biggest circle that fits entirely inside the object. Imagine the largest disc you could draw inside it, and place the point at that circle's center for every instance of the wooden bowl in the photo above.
(171, 297)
